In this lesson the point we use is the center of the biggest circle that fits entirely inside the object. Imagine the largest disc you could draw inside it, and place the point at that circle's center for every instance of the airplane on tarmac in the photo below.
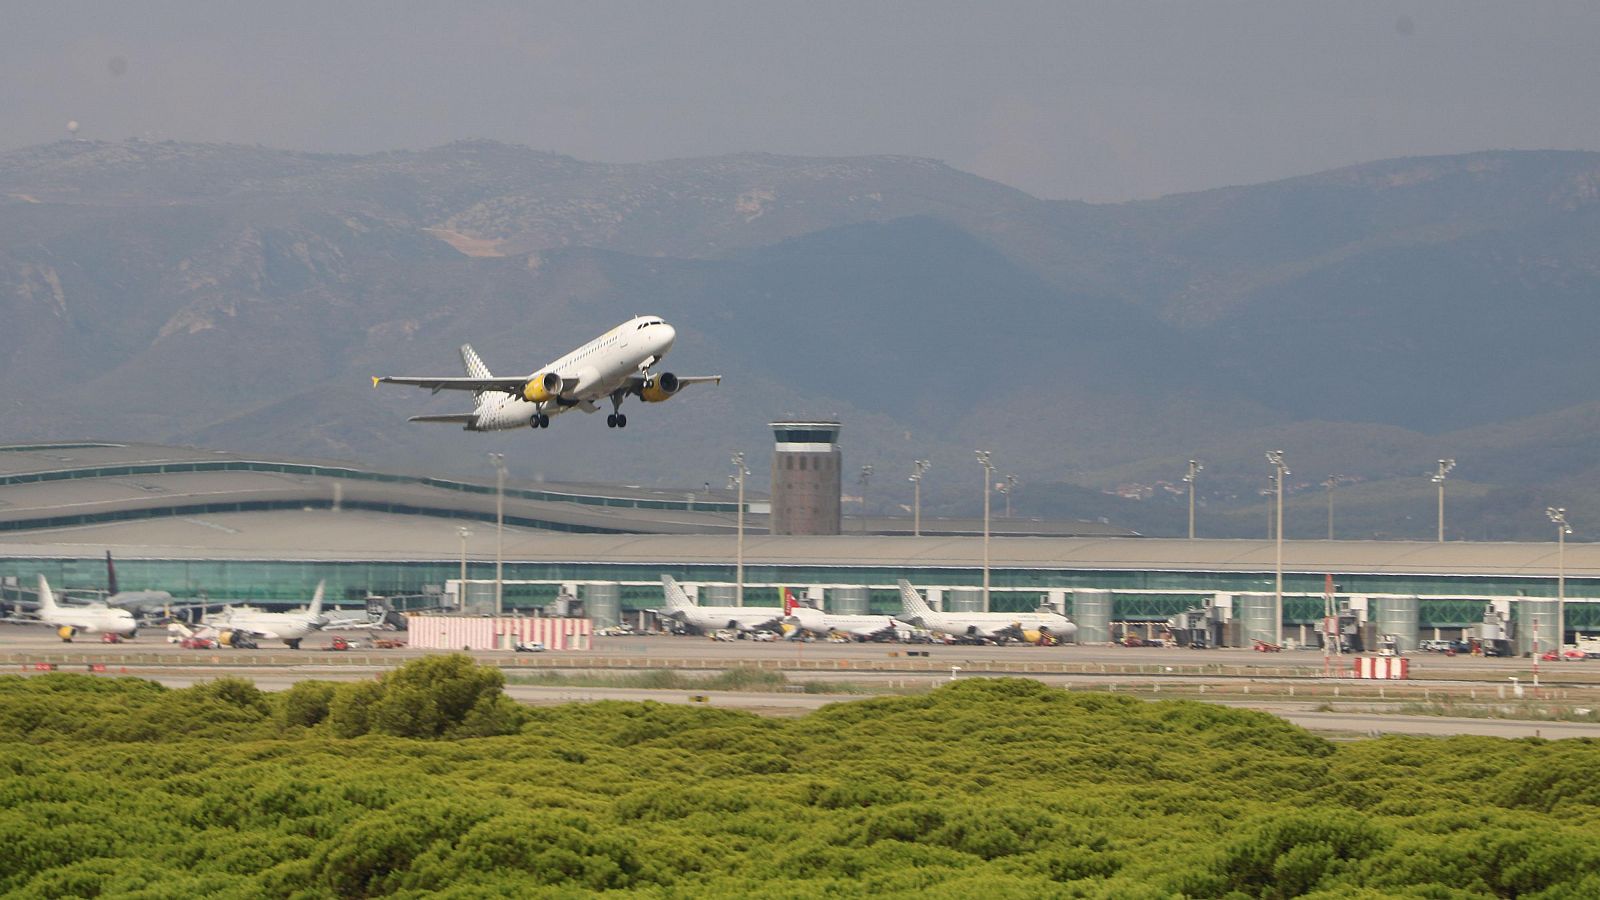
(1001, 627)
(71, 620)
(289, 627)
(818, 622)
(711, 618)
(137, 602)
(613, 366)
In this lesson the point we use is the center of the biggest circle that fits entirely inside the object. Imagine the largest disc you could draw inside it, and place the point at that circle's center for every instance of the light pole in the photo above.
(464, 534)
(988, 477)
(866, 476)
(1006, 487)
(1558, 517)
(1275, 457)
(1331, 482)
(499, 460)
(1194, 470)
(1445, 465)
(918, 468)
(739, 472)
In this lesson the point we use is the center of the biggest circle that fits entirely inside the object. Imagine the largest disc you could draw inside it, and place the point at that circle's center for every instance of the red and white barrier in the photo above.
(496, 633)
(1384, 667)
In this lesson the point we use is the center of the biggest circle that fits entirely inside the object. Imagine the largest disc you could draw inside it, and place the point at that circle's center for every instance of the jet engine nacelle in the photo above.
(66, 632)
(542, 388)
(659, 387)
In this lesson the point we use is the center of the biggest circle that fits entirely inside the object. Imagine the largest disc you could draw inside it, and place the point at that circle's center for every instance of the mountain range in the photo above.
(1367, 320)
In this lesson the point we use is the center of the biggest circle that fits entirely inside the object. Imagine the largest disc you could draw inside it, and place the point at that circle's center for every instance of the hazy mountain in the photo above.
(1367, 320)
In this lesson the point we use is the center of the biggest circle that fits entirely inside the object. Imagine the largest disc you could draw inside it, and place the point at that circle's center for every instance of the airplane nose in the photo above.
(668, 335)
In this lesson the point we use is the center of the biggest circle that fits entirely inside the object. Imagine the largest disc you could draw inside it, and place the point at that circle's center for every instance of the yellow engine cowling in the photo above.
(66, 632)
(227, 638)
(1032, 636)
(542, 388)
(659, 388)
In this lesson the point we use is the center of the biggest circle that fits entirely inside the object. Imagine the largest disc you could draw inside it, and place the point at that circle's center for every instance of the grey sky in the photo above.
(1096, 101)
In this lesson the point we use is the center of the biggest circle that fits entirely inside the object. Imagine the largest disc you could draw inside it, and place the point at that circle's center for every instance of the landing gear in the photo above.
(293, 645)
(616, 419)
(539, 420)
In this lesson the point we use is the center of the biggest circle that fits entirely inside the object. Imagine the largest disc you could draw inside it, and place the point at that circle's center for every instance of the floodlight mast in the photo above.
(1194, 470)
(1275, 458)
(988, 478)
(1558, 517)
(918, 468)
(739, 473)
(499, 461)
(1331, 482)
(1445, 465)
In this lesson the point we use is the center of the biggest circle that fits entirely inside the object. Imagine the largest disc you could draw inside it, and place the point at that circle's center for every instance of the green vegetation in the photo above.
(735, 679)
(430, 781)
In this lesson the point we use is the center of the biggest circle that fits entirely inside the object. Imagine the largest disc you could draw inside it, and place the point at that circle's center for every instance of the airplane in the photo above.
(71, 620)
(743, 619)
(289, 627)
(613, 366)
(818, 622)
(1001, 627)
(136, 602)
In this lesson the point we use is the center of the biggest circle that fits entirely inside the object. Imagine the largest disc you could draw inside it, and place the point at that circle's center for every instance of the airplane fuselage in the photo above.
(860, 626)
(598, 369)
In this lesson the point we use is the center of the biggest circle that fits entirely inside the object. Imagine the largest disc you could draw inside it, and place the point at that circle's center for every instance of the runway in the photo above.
(1291, 685)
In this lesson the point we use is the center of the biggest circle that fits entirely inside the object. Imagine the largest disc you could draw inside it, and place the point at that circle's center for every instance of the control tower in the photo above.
(805, 478)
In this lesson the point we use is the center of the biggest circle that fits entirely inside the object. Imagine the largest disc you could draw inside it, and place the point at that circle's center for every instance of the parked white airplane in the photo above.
(289, 627)
(71, 620)
(819, 622)
(136, 602)
(1000, 627)
(612, 367)
(711, 618)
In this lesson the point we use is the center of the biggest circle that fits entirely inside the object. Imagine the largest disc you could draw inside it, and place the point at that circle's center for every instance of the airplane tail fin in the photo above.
(316, 599)
(789, 603)
(911, 602)
(675, 597)
(475, 368)
(111, 576)
(47, 597)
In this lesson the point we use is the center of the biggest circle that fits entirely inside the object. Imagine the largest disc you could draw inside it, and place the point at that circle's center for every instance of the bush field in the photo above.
(432, 781)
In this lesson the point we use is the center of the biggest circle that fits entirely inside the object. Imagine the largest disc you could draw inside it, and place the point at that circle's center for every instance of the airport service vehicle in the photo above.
(705, 619)
(999, 627)
(614, 366)
(823, 624)
(289, 627)
(70, 620)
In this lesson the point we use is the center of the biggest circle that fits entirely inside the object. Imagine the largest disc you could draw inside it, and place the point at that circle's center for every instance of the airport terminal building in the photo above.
(224, 526)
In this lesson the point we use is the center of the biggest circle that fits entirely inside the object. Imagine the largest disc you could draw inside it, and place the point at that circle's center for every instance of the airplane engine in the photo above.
(659, 387)
(1034, 637)
(543, 388)
(229, 638)
(67, 632)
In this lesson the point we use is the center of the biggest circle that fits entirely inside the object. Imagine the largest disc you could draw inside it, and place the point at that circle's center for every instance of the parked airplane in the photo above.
(71, 620)
(289, 627)
(712, 618)
(612, 367)
(819, 622)
(137, 602)
(1035, 627)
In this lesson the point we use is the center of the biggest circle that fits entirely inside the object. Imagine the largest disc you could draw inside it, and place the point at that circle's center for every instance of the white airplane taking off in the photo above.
(711, 618)
(289, 627)
(70, 620)
(818, 622)
(1034, 627)
(613, 366)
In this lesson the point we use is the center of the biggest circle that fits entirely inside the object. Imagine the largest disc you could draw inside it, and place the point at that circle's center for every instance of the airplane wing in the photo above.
(509, 385)
(638, 381)
(455, 419)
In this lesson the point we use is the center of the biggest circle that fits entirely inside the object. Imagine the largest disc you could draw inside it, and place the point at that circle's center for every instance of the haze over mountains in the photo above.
(1367, 320)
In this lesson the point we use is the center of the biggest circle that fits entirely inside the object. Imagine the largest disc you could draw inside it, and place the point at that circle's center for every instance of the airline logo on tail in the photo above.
(790, 604)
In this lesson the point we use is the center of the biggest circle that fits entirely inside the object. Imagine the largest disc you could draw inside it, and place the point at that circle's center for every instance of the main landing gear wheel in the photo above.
(616, 420)
(540, 420)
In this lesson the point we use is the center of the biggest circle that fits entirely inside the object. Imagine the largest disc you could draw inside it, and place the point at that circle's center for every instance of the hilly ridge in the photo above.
(1366, 319)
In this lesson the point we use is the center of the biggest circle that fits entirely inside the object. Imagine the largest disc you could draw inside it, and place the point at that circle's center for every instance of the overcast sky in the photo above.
(1099, 101)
